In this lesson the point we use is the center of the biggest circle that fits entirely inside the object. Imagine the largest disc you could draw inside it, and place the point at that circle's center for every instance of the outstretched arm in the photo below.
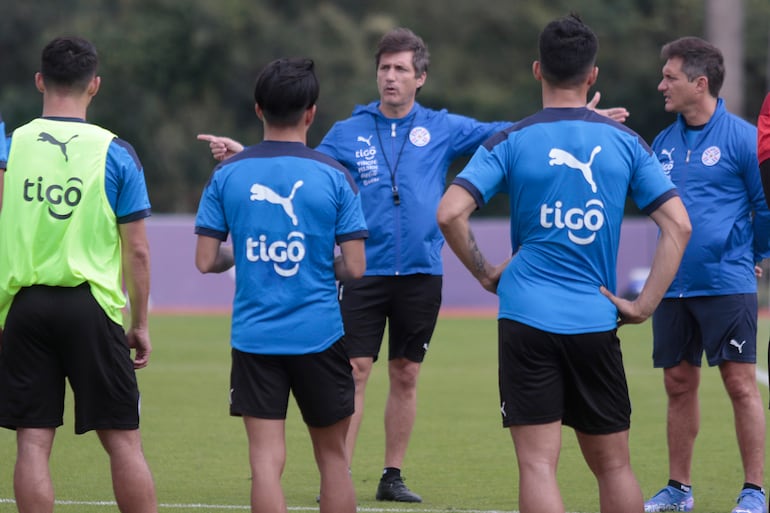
(619, 114)
(221, 147)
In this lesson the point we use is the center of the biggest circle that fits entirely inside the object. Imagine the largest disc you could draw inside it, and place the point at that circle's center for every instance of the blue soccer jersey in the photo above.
(567, 172)
(284, 206)
(3, 146)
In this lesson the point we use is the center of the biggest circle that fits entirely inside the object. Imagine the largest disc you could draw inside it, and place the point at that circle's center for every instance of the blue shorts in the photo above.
(577, 379)
(725, 327)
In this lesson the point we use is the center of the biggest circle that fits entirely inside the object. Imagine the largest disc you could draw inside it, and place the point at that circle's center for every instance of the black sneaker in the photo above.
(395, 490)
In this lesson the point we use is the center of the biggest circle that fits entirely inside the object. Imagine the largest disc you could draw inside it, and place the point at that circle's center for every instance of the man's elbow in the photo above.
(445, 216)
(204, 265)
(357, 268)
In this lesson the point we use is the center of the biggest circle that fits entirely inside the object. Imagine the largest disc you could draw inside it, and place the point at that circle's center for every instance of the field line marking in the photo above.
(215, 507)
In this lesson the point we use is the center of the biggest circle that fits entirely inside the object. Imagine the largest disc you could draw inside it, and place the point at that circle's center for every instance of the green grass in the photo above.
(459, 458)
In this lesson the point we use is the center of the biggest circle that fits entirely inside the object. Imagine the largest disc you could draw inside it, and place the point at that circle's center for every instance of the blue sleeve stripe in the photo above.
(468, 186)
(135, 216)
(360, 234)
(652, 207)
(210, 232)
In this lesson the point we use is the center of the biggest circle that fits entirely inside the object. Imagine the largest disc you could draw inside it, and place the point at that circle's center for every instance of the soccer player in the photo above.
(72, 222)
(3, 163)
(285, 206)
(566, 171)
(399, 153)
(763, 145)
(711, 306)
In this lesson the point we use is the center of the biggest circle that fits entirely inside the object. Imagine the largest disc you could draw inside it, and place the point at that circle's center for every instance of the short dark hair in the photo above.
(404, 40)
(568, 49)
(699, 58)
(69, 62)
(285, 89)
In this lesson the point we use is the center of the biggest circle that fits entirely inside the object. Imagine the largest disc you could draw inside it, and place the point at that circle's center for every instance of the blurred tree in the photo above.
(172, 69)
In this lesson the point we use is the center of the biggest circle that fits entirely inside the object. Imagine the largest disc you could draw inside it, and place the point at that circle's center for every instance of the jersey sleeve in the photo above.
(210, 219)
(124, 183)
(351, 224)
(649, 184)
(3, 145)
(763, 146)
(763, 131)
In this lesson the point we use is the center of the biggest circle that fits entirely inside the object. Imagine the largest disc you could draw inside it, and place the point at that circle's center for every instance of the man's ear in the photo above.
(310, 115)
(93, 86)
(536, 71)
(39, 83)
(593, 76)
(421, 79)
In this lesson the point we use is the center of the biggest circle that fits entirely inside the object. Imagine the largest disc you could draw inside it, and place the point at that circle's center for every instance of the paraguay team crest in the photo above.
(711, 156)
(419, 136)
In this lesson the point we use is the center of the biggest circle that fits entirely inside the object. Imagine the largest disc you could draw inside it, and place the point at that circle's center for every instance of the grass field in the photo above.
(459, 460)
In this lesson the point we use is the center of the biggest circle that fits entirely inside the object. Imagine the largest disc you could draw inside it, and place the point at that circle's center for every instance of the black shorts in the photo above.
(53, 333)
(725, 327)
(578, 379)
(322, 384)
(410, 305)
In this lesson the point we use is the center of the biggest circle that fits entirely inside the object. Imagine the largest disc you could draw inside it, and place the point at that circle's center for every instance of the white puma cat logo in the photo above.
(261, 192)
(735, 343)
(563, 158)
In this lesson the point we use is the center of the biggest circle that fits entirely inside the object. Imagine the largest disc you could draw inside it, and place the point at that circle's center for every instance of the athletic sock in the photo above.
(389, 473)
(752, 486)
(679, 486)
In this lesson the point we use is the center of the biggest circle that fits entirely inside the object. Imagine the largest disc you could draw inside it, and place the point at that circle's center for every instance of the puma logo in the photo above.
(563, 158)
(45, 136)
(737, 345)
(367, 140)
(261, 192)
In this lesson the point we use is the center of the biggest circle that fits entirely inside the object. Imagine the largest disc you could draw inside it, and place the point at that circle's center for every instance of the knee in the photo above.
(680, 384)
(404, 374)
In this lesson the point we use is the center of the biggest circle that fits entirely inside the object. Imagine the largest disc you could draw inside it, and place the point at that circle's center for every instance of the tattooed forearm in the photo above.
(477, 259)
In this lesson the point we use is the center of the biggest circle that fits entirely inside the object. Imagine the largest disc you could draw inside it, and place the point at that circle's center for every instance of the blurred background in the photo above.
(173, 68)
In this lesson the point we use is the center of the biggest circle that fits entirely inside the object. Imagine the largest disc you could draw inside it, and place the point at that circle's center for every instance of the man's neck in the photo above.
(285, 134)
(65, 106)
(564, 98)
(396, 111)
(699, 114)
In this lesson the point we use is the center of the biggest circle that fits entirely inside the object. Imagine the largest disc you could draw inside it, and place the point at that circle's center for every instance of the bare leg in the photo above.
(362, 368)
(748, 410)
(400, 409)
(267, 457)
(131, 477)
(609, 459)
(32, 477)
(537, 454)
(337, 493)
(683, 418)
